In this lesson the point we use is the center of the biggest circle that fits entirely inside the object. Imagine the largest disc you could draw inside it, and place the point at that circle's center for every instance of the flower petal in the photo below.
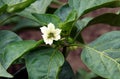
(51, 26)
(57, 31)
(44, 29)
(49, 41)
(57, 37)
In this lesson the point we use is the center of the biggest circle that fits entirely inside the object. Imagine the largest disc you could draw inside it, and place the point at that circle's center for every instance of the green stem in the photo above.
(79, 45)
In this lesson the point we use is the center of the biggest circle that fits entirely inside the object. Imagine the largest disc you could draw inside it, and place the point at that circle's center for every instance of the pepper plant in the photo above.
(61, 30)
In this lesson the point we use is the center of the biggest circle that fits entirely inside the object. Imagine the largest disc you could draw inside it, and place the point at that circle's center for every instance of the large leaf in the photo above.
(66, 72)
(85, 6)
(39, 6)
(44, 63)
(4, 73)
(108, 18)
(63, 12)
(45, 19)
(102, 56)
(15, 50)
(7, 37)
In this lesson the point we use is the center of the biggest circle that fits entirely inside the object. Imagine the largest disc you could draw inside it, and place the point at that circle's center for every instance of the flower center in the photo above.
(51, 35)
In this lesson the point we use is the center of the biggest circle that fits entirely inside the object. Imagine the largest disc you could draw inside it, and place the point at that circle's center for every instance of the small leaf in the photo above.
(84, 6)
(4, 73)
(63, 12)
(66, 72)
(45, 19)
(102, 56)
(67, 25)
(15, 50)
(44, 63)
(71, 16)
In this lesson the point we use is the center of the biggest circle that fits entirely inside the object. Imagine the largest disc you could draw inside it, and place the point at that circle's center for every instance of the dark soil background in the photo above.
(89, 34)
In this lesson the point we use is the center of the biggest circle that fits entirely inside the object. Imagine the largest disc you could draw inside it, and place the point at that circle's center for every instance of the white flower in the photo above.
(50, 33)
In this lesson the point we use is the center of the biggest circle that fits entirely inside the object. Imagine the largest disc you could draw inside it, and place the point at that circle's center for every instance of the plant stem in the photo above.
(64, 51)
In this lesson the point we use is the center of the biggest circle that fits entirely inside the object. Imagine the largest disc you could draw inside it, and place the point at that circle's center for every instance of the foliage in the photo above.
(102, 56)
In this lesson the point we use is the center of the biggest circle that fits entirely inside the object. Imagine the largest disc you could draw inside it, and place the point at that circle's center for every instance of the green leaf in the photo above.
(66, 72)
(6, 19)
(108, 18)
(71, 16)
(4, 73)
(67, 25)
(18, 6)
(25, 23)
(15, 50)
(14, 5)
(12, 2)
(44, 63)
(82, 74)
(63, 12)
(7, 37)
(3, 9)
(45, 19)
(39, 6)
(84, 6)
(78, 27)
(102, 56)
